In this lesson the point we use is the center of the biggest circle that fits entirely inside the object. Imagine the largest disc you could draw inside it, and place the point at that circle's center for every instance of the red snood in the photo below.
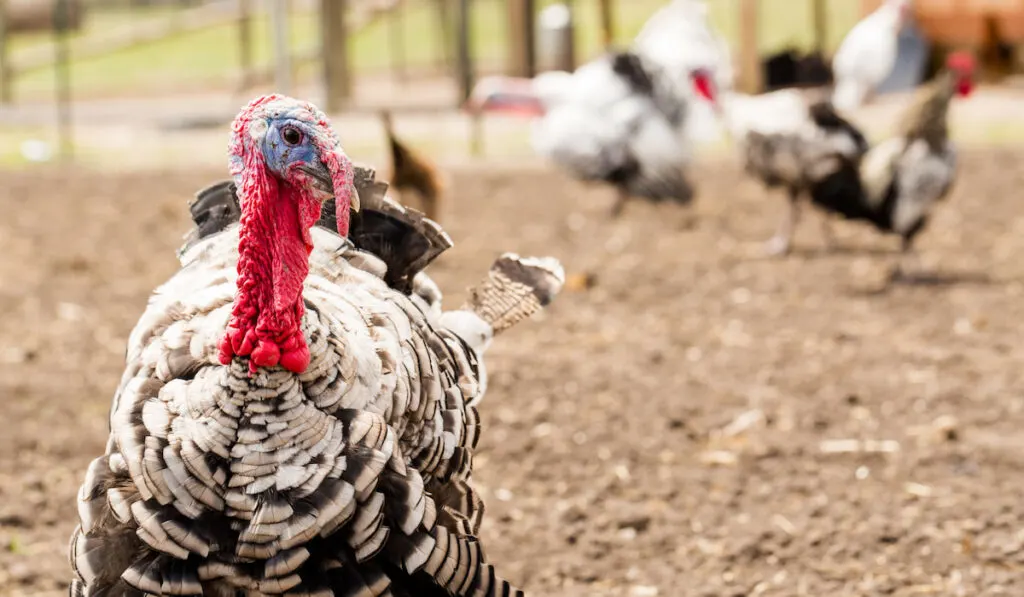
(273, 261)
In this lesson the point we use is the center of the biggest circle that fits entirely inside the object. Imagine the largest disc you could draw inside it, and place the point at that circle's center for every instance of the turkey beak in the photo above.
(320, 175)
(705, 87)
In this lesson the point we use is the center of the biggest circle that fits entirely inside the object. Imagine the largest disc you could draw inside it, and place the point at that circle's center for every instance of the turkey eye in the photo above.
(291, 136)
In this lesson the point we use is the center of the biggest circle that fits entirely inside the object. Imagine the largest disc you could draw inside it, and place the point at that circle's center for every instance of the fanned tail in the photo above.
(514, 289)
(213, 209)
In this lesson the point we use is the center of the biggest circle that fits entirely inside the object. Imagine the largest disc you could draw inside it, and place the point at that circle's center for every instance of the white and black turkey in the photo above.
(297, 415)
(623, 118)
(809, 149)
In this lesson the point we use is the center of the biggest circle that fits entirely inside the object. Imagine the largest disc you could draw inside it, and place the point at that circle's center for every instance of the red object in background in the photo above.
(963, 21)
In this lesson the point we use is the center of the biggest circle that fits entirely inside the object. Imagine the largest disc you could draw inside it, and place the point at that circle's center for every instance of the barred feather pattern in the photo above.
(808, 154)
(352, 478)
(515, 288)
(907, 175)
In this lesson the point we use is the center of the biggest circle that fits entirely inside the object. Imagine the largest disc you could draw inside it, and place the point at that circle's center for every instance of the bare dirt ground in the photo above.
(702, 421)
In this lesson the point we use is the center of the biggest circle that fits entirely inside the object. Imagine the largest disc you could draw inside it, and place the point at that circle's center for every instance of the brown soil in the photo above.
(672, 430)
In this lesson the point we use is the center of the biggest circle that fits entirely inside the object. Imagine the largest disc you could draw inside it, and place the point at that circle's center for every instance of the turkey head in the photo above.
(286, 161)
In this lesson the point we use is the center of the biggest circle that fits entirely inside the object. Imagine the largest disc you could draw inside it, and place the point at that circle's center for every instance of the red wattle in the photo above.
(274, 239)
(273, 262)
(266, 354)
(296, 360)
(225, 354)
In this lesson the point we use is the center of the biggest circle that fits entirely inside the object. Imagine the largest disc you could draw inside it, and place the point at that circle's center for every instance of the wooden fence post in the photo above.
(245, 43)
(522, 58)
(444, 19)
(570, 57)
(818, 11)
(396, 33)
(282, 57)
(465, 61)
(463, 54)
(337, 79)
(62, 70)
(6, 80)
(750, 62)
(607, 23)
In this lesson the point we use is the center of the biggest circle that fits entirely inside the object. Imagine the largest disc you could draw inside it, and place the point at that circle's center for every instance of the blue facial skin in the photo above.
(280, 155)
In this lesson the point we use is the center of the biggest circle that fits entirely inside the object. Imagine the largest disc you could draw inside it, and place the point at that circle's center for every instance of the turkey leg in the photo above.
(780, 242)
(827, 233)
(908, 261)
(621, 198)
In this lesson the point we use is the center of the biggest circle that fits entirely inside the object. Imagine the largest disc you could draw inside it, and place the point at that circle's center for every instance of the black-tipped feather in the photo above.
(629, 66)
(647, 80)
(824, 114)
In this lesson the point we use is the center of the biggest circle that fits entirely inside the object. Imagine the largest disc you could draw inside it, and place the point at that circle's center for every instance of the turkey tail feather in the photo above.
(213, 209)
(405, 239)
(515, 288)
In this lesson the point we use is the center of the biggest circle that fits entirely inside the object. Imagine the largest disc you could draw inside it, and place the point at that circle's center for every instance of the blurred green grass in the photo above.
(448, 143)
(98, 20)
(210, 57)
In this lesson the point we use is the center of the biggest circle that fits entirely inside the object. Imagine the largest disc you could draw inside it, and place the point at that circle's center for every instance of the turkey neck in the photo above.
(273, 261)
(927, 119)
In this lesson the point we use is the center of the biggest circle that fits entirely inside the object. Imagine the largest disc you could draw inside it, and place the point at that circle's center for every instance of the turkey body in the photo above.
(350, 478)
(616, 120)
(893, 186)
(806, 149)
(904, 178)
(820, 156)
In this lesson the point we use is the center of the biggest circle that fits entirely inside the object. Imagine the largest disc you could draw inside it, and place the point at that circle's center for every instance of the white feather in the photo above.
(782, 111)
(593, 116)
(469, 326)
(878, 168)
(866, 55)
(924, 178)
(679, 36)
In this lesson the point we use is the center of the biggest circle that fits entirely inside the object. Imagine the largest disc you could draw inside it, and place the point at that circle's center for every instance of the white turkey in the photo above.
(296, 415)
(622, 118)
(867, 54)
(680, 37)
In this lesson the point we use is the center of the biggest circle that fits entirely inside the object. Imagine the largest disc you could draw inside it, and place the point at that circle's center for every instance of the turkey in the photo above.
(621, 119)
(905, 176)
(892, 185)
(681, 38)
(297, 415)
(412, 172)
(867, 54)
